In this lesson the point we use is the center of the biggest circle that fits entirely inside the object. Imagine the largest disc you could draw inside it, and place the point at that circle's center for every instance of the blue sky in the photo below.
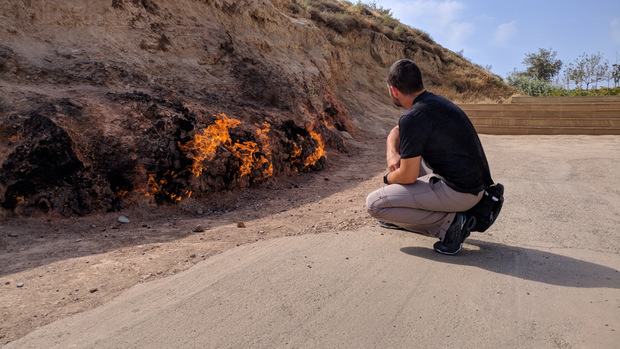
(499, 33)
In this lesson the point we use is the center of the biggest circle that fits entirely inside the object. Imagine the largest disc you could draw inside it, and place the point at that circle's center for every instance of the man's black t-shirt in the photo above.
(442, 134)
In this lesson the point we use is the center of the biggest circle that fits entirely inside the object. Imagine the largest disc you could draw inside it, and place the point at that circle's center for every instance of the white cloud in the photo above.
(504, 33)
(615, 30)
(459, 32)
(444, 20)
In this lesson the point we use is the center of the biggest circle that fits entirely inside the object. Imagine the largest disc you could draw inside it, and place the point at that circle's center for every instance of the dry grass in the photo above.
(458, 79)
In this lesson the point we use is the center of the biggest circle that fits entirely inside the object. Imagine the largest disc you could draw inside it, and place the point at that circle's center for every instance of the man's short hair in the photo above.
(405, 76)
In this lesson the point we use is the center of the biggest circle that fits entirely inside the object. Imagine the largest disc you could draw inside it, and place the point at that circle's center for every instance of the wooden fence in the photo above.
(548, 115)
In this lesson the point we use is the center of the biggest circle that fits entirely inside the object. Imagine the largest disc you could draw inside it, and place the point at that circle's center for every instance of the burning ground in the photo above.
(163, 152)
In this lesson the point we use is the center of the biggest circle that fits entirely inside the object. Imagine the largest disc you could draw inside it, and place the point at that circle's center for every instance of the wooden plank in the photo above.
(562, 100)
(585, 117)
(542, 122)
(527, 130)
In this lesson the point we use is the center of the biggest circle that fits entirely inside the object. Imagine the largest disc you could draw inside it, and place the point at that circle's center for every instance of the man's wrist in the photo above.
(385, 178)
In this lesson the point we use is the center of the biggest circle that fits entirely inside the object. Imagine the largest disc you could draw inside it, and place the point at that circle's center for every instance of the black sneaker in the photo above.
(388, 225)
(456, 234)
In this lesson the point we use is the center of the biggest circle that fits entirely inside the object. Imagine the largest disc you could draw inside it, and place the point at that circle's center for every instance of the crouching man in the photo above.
(437, 165)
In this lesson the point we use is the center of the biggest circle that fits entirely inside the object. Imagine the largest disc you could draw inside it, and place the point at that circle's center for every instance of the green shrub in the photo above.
(328, 6)
(400, 29)
(388, 20)
(425, 36)
(604, 91)
(339, 22)
(531, 86)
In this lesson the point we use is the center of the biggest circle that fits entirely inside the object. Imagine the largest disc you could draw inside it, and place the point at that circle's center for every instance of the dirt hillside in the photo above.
(122, 103)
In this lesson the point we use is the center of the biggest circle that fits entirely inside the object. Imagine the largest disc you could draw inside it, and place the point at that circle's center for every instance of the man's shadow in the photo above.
(526, 263)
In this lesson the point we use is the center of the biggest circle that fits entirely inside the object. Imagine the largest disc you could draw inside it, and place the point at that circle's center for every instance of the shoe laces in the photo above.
(454, 232)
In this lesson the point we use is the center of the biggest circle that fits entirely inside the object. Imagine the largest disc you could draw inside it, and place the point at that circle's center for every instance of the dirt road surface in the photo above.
(312, 270)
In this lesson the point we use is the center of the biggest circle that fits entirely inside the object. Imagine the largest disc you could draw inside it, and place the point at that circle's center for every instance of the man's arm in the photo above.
(393, 149)
(407, 173)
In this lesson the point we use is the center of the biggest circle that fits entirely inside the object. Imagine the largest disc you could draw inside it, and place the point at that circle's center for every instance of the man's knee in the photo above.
(373, 204)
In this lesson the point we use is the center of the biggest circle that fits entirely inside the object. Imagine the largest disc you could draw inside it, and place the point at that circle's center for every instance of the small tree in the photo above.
(590, 69)
(601, 72)
(543, 65)
(565, 78)
(577, 72)
(615, 74)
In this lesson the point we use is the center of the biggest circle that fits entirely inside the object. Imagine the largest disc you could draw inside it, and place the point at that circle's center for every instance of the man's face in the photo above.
(394, 99)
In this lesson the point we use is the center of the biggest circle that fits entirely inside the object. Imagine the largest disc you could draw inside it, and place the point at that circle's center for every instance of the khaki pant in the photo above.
(427, 206)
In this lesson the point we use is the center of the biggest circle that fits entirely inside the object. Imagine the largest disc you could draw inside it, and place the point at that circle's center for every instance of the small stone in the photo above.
(93, 290)
(199, 211)
(13, 235)
(240, 225)
(123, 219)
(78, 240)
(21, 284)
(199, 229)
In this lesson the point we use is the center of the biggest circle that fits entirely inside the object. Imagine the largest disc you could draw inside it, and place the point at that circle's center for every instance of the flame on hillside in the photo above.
(203, 148)
(310, 160)
(250, 159)
(319, 151)
(158, 187)
(262, 136)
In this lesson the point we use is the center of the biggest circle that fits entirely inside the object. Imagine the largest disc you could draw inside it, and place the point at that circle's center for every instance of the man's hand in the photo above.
(393, 161)
(407, 173)
(393, 149)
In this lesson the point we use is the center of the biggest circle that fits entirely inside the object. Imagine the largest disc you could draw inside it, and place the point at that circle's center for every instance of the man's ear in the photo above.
(395, 92)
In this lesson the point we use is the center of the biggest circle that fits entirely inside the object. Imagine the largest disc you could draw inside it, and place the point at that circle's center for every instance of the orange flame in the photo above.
(326, 124)
(245, 152)
(154, 186)
(262, 135)
(204, 145)
(296, 151)
(157, 187)
(318, 152)
(313, 158)
(15, 138)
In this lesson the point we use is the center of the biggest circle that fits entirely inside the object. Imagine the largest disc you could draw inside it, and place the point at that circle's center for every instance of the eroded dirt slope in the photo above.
(124, 103)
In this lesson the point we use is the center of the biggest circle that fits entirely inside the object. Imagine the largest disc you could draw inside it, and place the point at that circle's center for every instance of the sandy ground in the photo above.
(311, 269)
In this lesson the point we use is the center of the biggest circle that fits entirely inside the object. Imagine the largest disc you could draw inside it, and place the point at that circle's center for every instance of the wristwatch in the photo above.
(385, 180)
